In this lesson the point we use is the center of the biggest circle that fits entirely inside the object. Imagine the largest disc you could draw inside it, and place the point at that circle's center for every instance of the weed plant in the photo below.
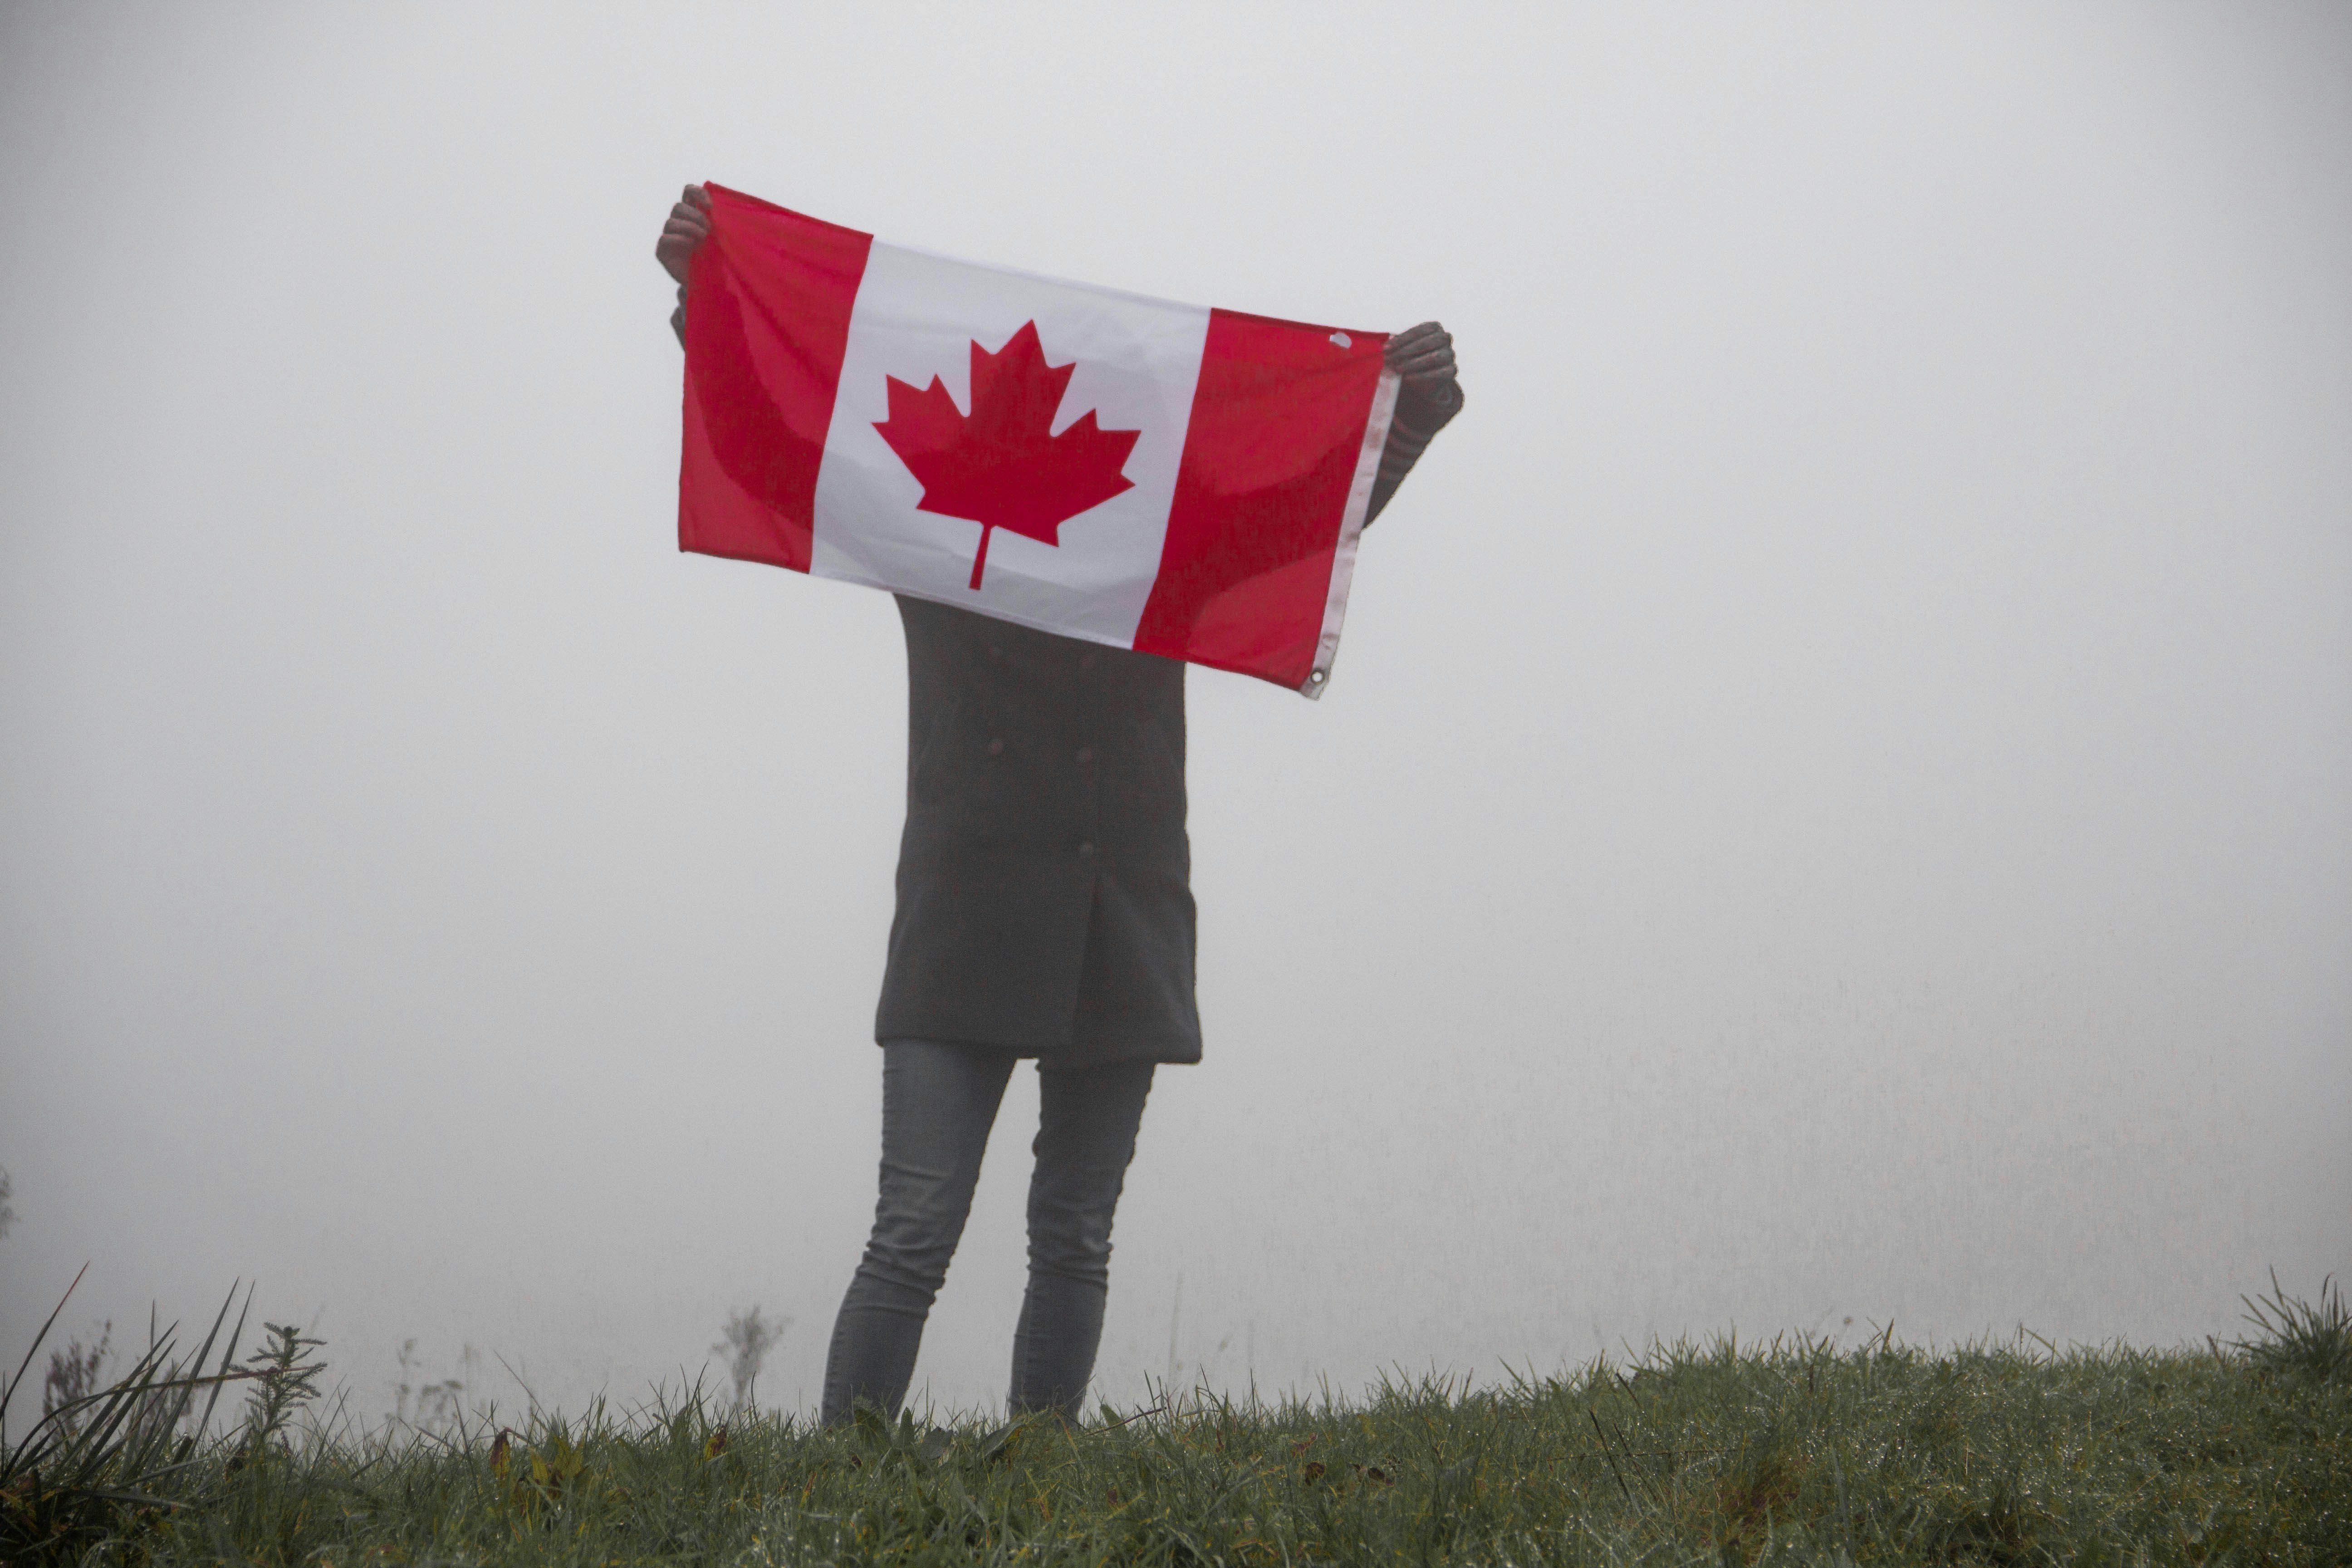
(2300, 1339)
(1794, 1451)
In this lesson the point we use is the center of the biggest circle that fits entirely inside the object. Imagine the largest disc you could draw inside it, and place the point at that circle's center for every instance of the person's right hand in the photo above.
(689, 226)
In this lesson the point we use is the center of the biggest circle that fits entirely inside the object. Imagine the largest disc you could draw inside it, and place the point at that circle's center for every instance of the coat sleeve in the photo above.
(1419, 417)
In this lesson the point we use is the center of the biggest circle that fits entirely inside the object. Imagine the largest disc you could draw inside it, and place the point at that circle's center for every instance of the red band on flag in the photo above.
(1276, 434)
(767, 323)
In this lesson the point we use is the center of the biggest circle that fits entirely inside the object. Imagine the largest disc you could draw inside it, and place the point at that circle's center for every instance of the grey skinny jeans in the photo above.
(939, 1102)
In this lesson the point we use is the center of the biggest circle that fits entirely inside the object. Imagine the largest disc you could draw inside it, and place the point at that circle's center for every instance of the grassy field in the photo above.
(1731, 1453)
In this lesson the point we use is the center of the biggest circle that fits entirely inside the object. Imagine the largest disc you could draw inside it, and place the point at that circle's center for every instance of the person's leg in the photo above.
(1086, 1136)
(937, 1104)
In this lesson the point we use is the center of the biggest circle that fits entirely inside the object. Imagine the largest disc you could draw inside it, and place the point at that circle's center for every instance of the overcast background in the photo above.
(1835, 805)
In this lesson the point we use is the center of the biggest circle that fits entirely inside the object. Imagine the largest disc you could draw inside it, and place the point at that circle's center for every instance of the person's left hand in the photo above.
(1424, 357)
(689, 226)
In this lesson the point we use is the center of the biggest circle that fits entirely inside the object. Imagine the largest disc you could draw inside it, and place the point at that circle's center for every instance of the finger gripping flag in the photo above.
(1120, 469)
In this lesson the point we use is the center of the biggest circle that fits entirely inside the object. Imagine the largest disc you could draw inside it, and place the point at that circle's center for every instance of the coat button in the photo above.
(1085, 755)
(996, 748)
(1087, 850)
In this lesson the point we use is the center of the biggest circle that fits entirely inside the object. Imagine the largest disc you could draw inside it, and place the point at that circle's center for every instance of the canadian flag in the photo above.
(1116, 468)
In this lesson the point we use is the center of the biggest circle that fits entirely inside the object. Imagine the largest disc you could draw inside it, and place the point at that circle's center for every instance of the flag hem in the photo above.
(1351, 528)
(1099, 640)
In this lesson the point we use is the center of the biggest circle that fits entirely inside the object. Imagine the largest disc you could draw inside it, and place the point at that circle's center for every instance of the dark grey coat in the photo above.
(1045, 896)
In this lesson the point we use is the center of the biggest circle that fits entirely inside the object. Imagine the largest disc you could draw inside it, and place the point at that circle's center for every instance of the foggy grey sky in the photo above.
(1835, 799)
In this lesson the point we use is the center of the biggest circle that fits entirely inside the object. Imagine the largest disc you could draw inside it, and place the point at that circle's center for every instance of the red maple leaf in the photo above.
(1003, 467)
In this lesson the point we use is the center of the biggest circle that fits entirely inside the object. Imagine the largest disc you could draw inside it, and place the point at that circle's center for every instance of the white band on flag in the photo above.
(1351, 526)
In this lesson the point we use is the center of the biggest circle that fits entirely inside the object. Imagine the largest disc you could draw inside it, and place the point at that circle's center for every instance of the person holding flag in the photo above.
(1045, 909)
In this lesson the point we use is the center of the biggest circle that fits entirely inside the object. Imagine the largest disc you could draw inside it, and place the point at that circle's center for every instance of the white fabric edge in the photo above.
(1034, 277)
(1351, 528)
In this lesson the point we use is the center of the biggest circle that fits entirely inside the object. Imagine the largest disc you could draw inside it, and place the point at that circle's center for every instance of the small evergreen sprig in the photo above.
(286, 1376)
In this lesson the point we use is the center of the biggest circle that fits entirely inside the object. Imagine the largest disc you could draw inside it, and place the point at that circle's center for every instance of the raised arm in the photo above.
(1430, 398)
